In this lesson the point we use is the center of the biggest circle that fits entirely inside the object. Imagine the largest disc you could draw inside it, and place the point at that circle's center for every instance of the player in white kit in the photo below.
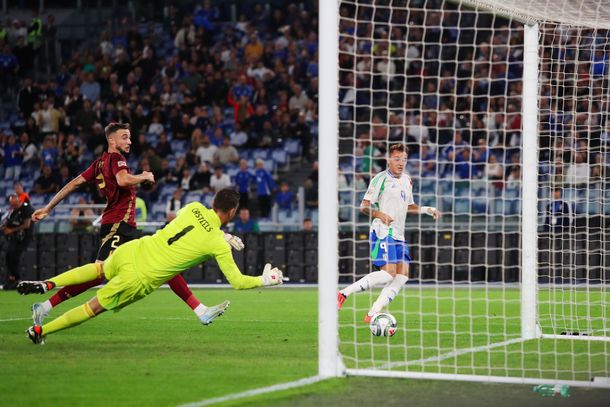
(387, 200)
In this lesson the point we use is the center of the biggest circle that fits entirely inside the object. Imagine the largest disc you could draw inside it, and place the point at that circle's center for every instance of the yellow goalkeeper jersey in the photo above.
(191, 238)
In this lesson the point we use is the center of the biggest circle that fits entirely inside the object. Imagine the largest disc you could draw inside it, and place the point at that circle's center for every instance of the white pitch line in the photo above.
(255, 392)
(14, 319)
(458, 352)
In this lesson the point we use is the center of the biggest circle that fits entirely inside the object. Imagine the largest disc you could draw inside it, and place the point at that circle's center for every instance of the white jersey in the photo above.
(392, 196)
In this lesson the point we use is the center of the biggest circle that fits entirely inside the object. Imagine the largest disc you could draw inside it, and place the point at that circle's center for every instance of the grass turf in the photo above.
(156, 353)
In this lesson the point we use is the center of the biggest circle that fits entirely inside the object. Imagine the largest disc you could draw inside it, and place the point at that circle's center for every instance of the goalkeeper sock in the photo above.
(371, 280)
(388, 293)
(71, 318)
(78, 275)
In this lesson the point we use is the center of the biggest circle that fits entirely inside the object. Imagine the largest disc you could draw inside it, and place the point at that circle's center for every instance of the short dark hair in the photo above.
(226, 199)
(396, 147)
(113, 127)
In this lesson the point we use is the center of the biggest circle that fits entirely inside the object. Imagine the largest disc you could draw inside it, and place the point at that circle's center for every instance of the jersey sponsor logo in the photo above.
(403, 195)
(121, 164)
(202, 221)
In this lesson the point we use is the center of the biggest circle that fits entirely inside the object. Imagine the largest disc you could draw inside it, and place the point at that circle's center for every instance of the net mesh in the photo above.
(446, 79)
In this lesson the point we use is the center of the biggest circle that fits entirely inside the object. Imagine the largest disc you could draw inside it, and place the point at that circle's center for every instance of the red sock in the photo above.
(182, 290)
(72, 291)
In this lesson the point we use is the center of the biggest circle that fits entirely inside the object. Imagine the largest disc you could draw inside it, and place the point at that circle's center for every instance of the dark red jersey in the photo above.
(121, 205)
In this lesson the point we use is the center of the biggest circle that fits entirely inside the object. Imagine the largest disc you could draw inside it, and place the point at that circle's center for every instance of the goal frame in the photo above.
(329, 357)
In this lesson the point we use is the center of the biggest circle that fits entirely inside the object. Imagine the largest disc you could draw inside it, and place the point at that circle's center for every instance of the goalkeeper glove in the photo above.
(272, 276)
(234, 241)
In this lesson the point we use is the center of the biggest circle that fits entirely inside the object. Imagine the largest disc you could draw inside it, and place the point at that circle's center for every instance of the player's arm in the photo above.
(241, 282)
(367, 209)
(426, 210)
(125, 179)
(42, 213)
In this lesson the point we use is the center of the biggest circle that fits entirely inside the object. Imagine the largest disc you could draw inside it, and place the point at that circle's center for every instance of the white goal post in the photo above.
(495, 293)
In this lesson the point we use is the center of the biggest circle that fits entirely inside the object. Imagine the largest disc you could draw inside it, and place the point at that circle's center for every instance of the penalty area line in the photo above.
(14, 319)
(255, 392)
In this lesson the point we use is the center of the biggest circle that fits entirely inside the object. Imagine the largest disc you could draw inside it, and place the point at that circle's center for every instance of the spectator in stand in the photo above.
(242, 108)
(241, 88)
(163, 147)
(264, 188)
(49, 153)
(238, 137)
(558, 214)
(200, 181)
(302, 132)
(307, 225)
(217, 137)
(174, 204)
(494, 171)
(9, 67)
(155, 127)
(253, 51)
(185, 179)
(206, 151)
(90, 89)
(298, 101)
(13, 159)
(243, 179)
(450, 154)
(578, 172)
(27, 97)
(311, 196)
(30, 151)
(226, 153)
(284, 198)
(245, 224)
(64, 176)
(463, 165)
(20, 192)
(46, 183)
(183, 129)
(141, 212)
(219, 180)
(85, 119)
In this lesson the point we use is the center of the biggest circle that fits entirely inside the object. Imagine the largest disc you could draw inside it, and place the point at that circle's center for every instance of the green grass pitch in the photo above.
(156, 353)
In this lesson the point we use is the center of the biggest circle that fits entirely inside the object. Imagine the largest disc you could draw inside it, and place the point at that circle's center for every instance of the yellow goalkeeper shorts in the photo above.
(124, 286)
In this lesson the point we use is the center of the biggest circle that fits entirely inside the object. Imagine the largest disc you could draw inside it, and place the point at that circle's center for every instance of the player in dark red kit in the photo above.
(111, 175)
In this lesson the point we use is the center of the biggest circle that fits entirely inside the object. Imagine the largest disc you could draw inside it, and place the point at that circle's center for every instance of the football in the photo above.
(383, 324)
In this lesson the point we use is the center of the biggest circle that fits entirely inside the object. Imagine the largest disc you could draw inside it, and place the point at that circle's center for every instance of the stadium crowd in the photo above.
(448, 82)
(210, 104)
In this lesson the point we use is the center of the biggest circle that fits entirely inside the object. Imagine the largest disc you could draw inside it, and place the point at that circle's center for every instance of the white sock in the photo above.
(47, 306)
(388, 293)
(200, 310)
(371, 280)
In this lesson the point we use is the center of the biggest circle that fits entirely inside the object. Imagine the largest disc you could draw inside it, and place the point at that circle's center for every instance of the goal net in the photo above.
(503, 107)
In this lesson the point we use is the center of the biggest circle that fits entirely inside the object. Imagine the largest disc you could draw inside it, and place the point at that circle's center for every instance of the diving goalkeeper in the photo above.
(140, 266)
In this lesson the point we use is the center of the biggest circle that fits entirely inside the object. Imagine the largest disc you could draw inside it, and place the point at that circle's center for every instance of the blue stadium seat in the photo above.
(158, 207)
(192, 197)
(293, 147)
(280, 156)
(427, 186)
(462, 206)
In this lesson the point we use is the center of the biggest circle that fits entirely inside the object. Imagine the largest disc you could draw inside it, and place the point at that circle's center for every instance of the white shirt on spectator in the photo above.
(30, 152)
(155, 128)
(206, 154)
(219, 183)
(577, 174)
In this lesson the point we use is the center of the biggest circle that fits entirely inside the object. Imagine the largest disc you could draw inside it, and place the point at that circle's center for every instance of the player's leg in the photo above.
(75, 316)
(205, 314)
(77, 275)
(379, 254)
(390, 291)
(111, 238)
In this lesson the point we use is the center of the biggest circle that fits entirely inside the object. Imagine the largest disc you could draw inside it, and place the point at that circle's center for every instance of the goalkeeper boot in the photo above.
(35, 334)
(39, 313)
(340, 299)
(214, 312)
(367, 318)
(36, 287)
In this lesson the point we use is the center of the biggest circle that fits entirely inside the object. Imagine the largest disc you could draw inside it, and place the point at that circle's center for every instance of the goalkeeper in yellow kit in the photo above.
(140, 266)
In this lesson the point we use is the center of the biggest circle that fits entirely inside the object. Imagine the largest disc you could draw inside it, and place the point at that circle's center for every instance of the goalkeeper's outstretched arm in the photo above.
(270, 276)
